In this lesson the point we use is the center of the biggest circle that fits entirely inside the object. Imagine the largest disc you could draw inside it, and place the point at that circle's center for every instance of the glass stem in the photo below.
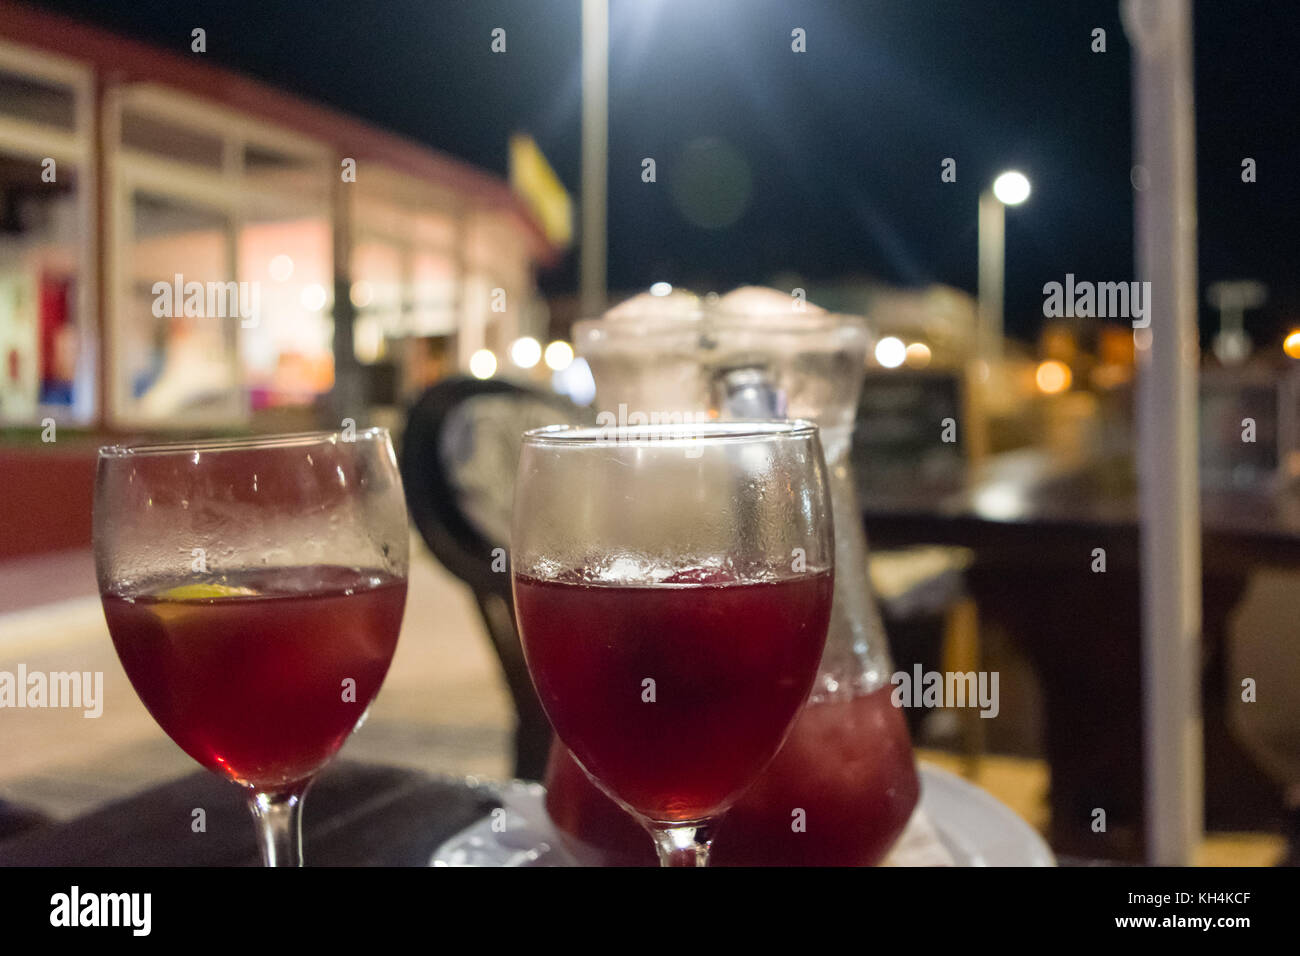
(684, 845)
(279, 824)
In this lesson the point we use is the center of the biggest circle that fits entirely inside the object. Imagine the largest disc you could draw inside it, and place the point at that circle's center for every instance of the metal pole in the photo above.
(1168, 358)
(992, 267)
(348, 395)
(595, 152)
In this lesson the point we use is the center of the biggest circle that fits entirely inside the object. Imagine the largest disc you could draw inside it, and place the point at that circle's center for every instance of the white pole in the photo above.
(992, 268)
(1160, 32)
(595, 153)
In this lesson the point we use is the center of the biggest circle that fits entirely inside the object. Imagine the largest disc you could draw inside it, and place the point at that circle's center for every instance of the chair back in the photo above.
(458, 457)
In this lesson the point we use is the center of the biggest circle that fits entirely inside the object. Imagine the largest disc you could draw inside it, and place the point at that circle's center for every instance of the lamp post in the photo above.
(1232, 299)
(1009, 189)
(595, 153)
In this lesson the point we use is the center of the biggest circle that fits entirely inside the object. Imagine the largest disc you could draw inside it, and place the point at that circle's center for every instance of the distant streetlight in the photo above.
(483, 364)
(1053, 377)
(891, 352)
(1291, 344)
(526, 352)
(1009, 189)
(918, 355)
(559, 356)
(1232, 344)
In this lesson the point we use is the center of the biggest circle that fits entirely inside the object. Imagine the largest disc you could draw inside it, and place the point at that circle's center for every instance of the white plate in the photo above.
(973, 828)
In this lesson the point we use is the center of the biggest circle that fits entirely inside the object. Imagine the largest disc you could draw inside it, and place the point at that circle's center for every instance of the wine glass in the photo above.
(673, 587)
(254, 590)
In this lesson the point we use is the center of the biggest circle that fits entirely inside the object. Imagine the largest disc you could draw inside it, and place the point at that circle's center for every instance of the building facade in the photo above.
(182, 248)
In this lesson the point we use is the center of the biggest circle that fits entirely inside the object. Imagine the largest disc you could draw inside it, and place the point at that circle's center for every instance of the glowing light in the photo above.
(918, 355)
(1011, 188)
(368, 339)
(526, 352)
(1291, 344)
(661, 288)
(890, 352)
(281, 268)
(1232, 346)
(1053, 377)
(559, 356)
(576, 382)
(483, 364)
(362, 293)
(1001, 502)
(313, 297)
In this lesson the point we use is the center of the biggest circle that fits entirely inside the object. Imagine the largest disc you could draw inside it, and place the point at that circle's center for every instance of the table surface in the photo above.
(1030, 491)
(355, 814)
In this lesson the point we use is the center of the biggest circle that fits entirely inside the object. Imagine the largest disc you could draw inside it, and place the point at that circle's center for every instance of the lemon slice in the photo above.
(203, 592)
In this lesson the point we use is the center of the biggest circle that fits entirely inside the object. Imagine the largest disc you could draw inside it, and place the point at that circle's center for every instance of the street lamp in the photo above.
(526, 352)
(1232, 299)
(595, 154)
(1009, 189)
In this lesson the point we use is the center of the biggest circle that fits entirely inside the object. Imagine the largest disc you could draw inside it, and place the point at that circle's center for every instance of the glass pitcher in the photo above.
(844, 784)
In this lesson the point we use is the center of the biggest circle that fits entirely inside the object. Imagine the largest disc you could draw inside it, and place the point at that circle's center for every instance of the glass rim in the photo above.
(211, 445)
(731, 430)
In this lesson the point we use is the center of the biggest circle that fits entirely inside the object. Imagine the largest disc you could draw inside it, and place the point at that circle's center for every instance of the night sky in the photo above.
(830, 160)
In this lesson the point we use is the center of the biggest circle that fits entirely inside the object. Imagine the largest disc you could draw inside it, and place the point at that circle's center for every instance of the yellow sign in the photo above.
(532, 177)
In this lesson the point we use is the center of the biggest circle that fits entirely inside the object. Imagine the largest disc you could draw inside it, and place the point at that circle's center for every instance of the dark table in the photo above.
(1032, 524)
(355, 815)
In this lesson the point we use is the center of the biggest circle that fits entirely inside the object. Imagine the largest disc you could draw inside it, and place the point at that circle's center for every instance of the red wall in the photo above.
(45, 498)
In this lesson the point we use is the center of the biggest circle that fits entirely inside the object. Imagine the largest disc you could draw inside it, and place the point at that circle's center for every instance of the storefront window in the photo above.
(224, 303)
(377, 297)
(433, 306)
(287, 355)
(47, 341)
(175, 351)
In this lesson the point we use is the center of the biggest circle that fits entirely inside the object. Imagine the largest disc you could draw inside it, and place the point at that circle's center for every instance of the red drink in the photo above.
(251, 685)
(732, 663)
(594, 829)
(847, 764)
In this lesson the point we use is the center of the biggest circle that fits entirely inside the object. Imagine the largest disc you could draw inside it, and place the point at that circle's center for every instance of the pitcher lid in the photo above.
(752, 313)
